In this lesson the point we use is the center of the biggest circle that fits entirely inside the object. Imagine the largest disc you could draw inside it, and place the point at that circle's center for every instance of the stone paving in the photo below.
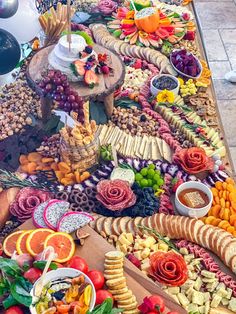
(217, 21)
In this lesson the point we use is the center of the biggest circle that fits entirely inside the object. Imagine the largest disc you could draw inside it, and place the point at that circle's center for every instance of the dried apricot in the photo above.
(227, 204)
(230, 181)
(64, 167)
(230, 187)
(222, 202)
(224, 224)
(23, 159)
(217, 200)
(60, 175)
(84, 176)
(32, 167)
(209, 220)
(35, 157)
(77, 177)
(226, 214)
(230, 229)
(224, 185)
(214, 191)
(220, 194)
(215, 210)
(218, 185)
(216, 222)
(66, 181)
(46, 160)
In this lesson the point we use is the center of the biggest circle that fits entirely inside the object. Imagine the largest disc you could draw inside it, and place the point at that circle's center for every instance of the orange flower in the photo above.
(130, 15)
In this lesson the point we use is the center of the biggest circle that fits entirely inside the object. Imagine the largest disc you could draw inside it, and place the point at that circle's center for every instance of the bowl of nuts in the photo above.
(162, 82)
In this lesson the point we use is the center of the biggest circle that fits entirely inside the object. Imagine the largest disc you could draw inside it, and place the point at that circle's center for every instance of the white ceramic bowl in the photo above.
(63, 273)
(155, 91)
(188, 211)
(182, 73)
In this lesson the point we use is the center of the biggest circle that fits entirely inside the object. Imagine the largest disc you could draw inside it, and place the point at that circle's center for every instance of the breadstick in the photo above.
(43, 22)
(64, 13)
(59, 29)
(53, 13)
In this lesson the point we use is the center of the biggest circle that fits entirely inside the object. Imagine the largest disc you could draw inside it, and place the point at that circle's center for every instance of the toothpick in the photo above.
(69, 24)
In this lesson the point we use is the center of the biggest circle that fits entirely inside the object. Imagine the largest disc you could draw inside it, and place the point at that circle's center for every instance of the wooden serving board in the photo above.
(93, 252)
(107, 83)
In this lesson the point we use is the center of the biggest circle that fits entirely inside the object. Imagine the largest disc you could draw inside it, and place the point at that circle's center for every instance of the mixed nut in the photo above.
(50, 147)
(134, 121)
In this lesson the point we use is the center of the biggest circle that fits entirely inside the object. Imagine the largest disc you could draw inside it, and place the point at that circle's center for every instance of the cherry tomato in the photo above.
(78, 263)
(14, 310)
(33, 274)
(102, 295)
(97, 278)
(156, 303)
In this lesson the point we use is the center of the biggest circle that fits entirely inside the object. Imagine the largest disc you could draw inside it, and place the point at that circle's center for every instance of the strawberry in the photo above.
(137, 64)
(91, 78)
(176, 183)
(134, 260)
(105, 69)
(190, 35)
(186, 16)
(79, 67)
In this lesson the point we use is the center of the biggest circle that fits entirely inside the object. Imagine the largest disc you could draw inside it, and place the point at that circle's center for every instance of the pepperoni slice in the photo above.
(168, 268)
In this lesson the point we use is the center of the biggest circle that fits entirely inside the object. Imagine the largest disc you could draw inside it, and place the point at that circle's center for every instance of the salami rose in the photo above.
(115, 194)
(26, 201)
(193, 160)
(168, 268)
(107, 7)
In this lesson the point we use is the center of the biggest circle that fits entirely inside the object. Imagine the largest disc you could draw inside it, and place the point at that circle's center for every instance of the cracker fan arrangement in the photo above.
(116, 190)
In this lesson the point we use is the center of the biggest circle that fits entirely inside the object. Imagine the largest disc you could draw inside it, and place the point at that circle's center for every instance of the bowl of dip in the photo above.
(164, 81)
(193, 199)
(56, 284)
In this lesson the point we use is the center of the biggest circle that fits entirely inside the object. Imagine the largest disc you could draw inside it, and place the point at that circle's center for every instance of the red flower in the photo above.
(102, 57)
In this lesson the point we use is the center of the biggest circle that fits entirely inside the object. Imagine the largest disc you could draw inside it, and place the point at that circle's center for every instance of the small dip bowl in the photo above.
(163, 81)
(188, 211)
(62, 273)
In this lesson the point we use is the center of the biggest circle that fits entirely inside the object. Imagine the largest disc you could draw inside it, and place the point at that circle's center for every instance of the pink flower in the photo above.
(107, 7)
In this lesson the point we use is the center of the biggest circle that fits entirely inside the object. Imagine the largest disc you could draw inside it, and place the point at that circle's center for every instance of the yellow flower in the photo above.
(166, 96)
(181, 81)
(130, 15)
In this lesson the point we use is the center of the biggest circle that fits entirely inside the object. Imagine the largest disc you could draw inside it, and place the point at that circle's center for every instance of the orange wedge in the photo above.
(63, 245)
(35, 240)
(9, 244)
(21, 242)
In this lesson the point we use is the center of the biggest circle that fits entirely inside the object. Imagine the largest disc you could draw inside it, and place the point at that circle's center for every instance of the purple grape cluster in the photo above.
(55, 85)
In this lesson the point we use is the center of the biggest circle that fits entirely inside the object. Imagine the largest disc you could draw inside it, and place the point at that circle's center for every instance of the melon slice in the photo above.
(37, 216)
(72, 221)
(54, 211)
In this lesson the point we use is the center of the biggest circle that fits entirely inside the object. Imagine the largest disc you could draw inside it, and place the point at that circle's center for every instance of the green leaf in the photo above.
(9, 267)
(41, 265)
(9, 301)
(21, 294)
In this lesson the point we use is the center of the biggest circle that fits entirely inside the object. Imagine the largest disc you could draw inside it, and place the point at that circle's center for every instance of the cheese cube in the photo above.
(191, 267)
(207, 307)
(208, 274)
(209, 280)
(198, 283)
(207, 296)
(192, 275)
(123, 248)
(145, 273)
(192, 308)
(229, 293)
(222, 292)
(225, 301)
(146, 260)
(201, 309)
(196, 261)
(145, 266)
(183, 251)
(163, 247)
(174, 296)
(189, 293)
(154, 247)
(137, 254)
(188, 283)
(149, 242)
(188, 258)
(130, 237)
(183, 299)
(216, 300)
(232, 305)
(198, 297)
(123, 240)
(211, 286)
(173, 290)
(220, 285)
(145, 253)
(136, 246)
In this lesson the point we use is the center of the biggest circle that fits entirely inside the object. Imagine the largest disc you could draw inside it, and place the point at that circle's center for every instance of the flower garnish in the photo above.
(102, 57)
(166, 96)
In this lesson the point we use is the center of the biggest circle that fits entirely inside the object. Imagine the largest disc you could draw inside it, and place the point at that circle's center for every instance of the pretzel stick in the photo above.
(59, 29)
(59, 11)
(64, 13)
(43, 22)
(53, 14)
(49, 26)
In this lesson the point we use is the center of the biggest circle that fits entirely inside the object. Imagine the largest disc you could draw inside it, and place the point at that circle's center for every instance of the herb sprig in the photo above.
(105, 308)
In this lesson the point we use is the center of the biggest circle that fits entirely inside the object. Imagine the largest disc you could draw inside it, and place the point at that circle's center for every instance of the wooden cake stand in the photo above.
(103, 91)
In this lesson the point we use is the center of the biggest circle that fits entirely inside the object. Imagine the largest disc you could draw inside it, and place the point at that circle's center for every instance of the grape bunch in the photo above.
(55, 85)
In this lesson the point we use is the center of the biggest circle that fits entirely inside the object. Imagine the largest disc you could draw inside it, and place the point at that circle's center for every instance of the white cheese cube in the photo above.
(208, 274)
(207, 307)
(198, 297)
(123, 248)
(220, 285)
(163, 247)
(188, 283)
(232, 305)
(154, 247)
(216, 300)
(201, 309)
(146, 260)
(189, 293)
(192, 307)
(225, 301)
(207, 296)
(198, 284)
(130, 237)
(145, 273)
(173, 290)
(191, 267)
(209, 280)
(192, 275)
(222, 292)
(149, 242)
(124, 240)
(188, 258)
(174, 296)
(145, 266)
(136, 246)
(229, 293)
(211, 286)
(183, 299)
(137, 254)
(183, 251)
(196, 261)
(145, 253)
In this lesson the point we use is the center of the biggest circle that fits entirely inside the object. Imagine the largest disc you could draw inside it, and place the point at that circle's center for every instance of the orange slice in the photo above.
(63, 245)
(35, 240)
(9, 244)
(21, 242)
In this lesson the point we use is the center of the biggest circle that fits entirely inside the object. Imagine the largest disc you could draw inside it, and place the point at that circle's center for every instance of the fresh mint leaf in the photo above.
(9, 267)
(41, 265)
(20, 294)
(9, 301)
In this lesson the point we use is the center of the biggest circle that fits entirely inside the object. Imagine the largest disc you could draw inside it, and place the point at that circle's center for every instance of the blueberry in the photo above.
(143, 118)
(88, 49)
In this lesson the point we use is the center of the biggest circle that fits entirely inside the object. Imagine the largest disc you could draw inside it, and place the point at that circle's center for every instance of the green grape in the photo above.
(160, 182)
(144, 183)
(144, 172)
(155, 187)
(152, 166)
(138, 177)
(156, 177)
(150, 182)
(150, 173)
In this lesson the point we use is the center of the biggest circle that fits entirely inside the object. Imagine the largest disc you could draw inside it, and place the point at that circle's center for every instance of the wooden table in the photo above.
(103, 91)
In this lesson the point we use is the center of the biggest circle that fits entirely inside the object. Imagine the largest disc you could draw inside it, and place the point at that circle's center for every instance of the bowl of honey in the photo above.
(193, 199)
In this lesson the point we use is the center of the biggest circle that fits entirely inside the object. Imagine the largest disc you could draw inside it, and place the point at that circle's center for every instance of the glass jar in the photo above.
(81, 157)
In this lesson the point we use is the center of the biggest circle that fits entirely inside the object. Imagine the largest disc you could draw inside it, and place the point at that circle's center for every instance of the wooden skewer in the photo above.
(69, 24)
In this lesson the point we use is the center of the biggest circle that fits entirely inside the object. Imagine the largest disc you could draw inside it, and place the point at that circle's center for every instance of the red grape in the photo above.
(63, 97)
(48, 87)
(61, 104)
(71, 98)
(46, 80)
(63, 77)
(67, 91)
(67, 106)
(60, 89)
(75, 106)
(65, 84)
(41, 84)
(57, 97)
(57, 81)
(51, 73)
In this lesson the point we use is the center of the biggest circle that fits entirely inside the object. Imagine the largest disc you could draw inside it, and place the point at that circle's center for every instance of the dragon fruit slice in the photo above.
(37, 216)
(54, 211)
(72, 221)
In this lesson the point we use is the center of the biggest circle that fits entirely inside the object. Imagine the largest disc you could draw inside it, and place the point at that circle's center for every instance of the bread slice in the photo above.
(115, 282)
(115, 229)
(127, 301)
(123, 221)
(123, 296)
(99, 224)
(213, 239)
(137, 222)
(114, 255)
(206, 236)
(232, 264)
(130, 226)
(224, 242)
(159, 223)
(195, 230)
(229, 251)
(149, 222)
(219, 240)
(179, 229)
(107, 226)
